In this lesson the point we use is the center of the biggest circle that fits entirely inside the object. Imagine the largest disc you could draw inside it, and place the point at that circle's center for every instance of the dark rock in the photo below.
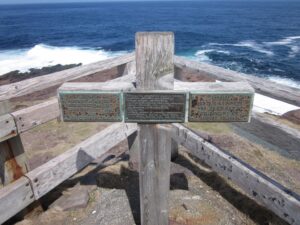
(16, 76)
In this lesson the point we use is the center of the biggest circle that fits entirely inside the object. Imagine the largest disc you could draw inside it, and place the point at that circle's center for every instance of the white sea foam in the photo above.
(248, 44)
(284, 41)
(202, 54)
(294, 51)
(285, 81)
(290, 42)
(44, 55)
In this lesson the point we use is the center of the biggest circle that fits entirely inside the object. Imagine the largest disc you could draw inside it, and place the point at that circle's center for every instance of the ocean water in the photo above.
(260, 38)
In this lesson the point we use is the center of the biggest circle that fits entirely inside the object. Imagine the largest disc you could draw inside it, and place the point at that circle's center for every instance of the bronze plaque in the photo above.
(210, 107)
(154, 107)
(91, 106)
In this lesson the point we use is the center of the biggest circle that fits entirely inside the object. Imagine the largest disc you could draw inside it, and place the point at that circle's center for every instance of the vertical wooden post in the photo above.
(154, 71)
(13, 160)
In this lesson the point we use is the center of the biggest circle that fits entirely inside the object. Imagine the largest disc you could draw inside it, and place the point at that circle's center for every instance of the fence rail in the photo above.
(282, 201)
(261, 85)
(35, 184)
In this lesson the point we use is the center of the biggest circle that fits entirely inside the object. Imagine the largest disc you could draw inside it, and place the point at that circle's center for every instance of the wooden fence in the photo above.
(26, 187)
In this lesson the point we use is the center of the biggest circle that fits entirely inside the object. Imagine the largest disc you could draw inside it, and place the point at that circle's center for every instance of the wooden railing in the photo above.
(261, 85)
(33, 185)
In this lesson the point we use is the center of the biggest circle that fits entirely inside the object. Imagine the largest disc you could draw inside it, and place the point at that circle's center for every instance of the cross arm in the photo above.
(188, 102)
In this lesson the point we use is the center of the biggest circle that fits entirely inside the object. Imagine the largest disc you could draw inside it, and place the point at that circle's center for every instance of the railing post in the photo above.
(13, 160)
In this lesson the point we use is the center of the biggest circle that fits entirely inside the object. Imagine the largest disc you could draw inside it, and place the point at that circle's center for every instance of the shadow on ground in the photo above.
(128, 180)
(242, 202)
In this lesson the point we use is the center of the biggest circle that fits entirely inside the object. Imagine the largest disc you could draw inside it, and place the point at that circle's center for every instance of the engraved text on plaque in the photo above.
(90, 106)
(154, 107)
(220, 107)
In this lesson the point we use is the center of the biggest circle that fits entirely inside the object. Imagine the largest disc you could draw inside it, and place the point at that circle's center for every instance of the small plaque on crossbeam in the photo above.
(155, 107)
(91, 106)
(212, 107)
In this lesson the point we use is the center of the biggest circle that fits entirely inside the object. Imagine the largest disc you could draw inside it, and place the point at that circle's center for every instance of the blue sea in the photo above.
(260, 38)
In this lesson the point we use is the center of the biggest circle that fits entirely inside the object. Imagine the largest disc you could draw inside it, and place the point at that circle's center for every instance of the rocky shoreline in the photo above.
(16, 76)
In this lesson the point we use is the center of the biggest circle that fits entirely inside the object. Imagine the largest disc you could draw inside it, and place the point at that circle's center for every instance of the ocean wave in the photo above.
(202, 54)
(290, 42)
(294, 51)
(284, 41)
(248, 44)
(285, 81)
(42, 55)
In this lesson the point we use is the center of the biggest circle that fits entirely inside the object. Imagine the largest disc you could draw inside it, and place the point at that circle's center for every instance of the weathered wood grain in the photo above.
(15, 197)
(7, 127)
(281, 137)
(126, 78)
(130, 68)
(263, 86)
(57, 170)
(13, 160)
(154, 59)
(214, 87)
(155, 158)
(97, 86)
(263, 189)
(39, 83)
(4, 107)
(278, 125)
(36, 115)
(154, 71)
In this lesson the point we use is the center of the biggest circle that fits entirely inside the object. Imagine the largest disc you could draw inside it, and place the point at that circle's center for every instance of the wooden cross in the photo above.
(155, 100)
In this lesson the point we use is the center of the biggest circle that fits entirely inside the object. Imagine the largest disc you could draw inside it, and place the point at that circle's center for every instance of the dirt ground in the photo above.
(198, 196)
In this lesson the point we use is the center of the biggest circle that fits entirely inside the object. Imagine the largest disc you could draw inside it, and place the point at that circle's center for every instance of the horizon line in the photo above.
(120, 1)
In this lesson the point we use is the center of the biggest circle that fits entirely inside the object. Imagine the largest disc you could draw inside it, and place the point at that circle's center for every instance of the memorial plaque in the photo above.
(221, 107)
(156, 107)
(92, 106)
